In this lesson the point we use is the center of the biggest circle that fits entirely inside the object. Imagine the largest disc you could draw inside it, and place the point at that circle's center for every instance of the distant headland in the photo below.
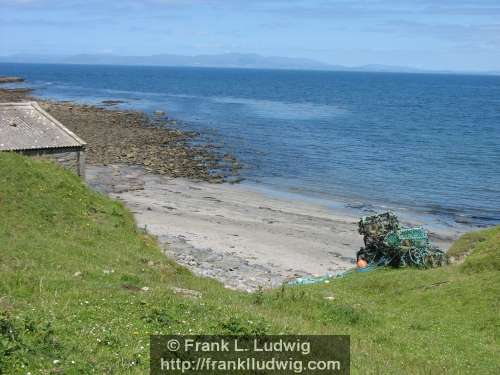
(227, 60)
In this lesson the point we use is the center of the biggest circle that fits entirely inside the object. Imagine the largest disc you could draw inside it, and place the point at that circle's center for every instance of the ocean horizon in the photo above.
(415, 143)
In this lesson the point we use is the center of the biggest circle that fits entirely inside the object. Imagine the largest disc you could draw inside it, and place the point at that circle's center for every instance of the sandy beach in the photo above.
(241, 237)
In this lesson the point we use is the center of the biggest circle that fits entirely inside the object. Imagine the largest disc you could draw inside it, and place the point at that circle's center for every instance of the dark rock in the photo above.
(112, 102)
(11, 79)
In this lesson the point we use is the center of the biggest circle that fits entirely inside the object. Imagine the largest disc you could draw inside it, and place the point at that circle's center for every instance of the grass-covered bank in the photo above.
(81, 289)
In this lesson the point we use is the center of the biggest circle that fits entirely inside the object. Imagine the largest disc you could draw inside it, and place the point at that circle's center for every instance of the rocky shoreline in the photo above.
(134, 138)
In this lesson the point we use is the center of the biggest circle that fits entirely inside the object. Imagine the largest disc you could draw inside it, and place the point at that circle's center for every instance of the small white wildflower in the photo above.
(56, 361)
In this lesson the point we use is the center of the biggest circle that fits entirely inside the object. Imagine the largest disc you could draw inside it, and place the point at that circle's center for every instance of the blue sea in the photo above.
(422, 143)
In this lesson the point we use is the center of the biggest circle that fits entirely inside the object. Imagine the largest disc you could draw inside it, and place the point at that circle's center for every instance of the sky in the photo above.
(426, 34)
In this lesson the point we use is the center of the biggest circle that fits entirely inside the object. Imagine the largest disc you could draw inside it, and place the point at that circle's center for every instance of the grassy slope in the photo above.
(52, 228)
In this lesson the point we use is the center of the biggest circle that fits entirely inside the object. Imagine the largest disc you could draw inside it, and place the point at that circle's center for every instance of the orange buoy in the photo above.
(361, 263)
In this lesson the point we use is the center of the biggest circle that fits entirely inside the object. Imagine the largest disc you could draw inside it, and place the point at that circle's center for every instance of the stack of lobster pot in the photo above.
(388, 243)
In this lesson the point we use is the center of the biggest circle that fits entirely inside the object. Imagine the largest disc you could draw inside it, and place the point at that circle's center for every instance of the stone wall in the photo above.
(70, 158)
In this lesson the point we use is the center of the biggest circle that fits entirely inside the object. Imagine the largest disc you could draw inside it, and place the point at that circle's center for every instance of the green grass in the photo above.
(73, 267)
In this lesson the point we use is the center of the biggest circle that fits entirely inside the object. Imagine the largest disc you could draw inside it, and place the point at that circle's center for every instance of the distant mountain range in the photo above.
(228, 60)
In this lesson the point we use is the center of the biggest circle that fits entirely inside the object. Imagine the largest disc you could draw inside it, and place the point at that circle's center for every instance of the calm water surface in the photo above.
(424, 143)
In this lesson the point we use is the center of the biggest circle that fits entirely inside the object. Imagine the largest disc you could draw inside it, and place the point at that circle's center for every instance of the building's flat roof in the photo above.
(26, 126)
